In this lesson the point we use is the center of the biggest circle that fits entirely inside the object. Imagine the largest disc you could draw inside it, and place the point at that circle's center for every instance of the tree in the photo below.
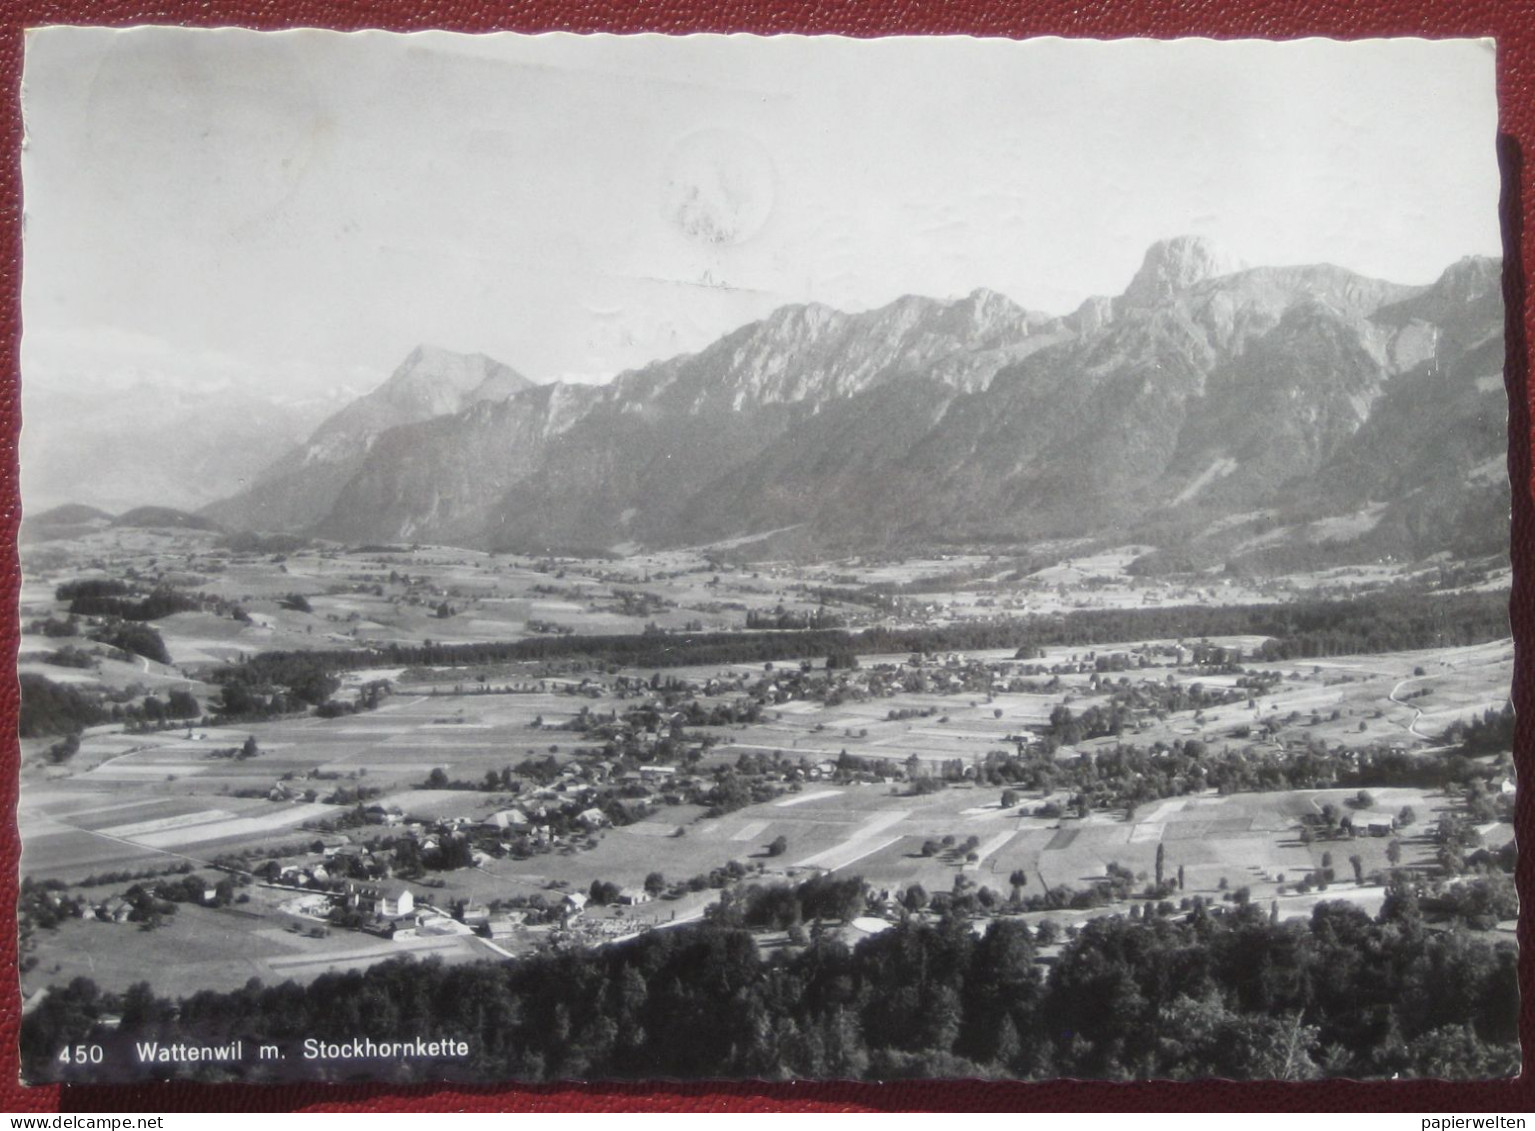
(139, 639)
(779, 846)
(1394, 852)
(55, 708)
(1401, 903)
(1358, 863)
(1161, 860)
(236, 700)
(182, 705)
(1009, 1055)
(249, 749)
(314, 686)
(655, 883)
(1019, 879)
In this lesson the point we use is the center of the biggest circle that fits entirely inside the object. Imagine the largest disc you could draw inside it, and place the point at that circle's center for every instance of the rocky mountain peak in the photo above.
(1469, 278)
(986, 307)
(1176, 264)
(801, 318)
(432, 381)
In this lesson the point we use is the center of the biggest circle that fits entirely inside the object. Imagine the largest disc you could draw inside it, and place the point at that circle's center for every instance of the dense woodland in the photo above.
(57, 708)
(1219, 992)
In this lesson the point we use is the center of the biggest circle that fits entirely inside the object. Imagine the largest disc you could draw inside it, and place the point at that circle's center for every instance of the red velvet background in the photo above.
(1513, 24)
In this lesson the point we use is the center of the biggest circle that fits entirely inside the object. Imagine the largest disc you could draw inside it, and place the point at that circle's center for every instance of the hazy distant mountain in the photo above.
(152, 518)
(1222, 410)
(146, 442)
(72, 520)
(300, 488)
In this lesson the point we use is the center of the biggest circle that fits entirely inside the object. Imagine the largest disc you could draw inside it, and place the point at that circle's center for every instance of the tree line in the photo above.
(1304, 629)
(1221, 992)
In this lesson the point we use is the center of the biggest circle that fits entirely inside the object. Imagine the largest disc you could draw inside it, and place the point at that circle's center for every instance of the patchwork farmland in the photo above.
(990, 778)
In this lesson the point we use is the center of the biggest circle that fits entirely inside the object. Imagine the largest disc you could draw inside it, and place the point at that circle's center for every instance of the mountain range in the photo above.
(1222, 412)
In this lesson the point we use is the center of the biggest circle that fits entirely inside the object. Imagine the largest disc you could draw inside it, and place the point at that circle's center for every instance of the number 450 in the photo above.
(80, 1054)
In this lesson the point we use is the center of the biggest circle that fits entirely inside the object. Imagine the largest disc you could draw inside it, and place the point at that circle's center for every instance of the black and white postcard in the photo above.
(594, 557)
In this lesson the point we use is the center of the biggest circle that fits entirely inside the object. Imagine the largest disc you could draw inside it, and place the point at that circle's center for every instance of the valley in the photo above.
(1020, 782)
(1172, 633)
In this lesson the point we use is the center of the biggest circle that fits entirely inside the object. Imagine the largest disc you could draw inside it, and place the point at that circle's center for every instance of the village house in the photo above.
(387, 901)
(115, 910)
(396, 899)
(634, 808)
(395, 929)
(573, 905)
(499, 927)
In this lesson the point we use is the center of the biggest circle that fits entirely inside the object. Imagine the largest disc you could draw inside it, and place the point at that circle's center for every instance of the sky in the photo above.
(303, 208)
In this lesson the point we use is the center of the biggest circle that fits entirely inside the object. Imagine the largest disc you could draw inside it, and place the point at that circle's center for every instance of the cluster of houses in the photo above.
(389, 909)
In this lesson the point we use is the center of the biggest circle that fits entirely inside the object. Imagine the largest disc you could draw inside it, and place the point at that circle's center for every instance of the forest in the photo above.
(56, 708)
(1220, 992)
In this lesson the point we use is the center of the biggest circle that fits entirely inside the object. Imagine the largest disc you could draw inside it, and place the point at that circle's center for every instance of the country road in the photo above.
(1412, 727)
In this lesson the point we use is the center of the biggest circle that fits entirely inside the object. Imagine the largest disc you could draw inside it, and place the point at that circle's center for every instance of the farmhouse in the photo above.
(115, 910)
(388, 901)
(396, 900)
(500, 926)
(399, 927)
(506, 819)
